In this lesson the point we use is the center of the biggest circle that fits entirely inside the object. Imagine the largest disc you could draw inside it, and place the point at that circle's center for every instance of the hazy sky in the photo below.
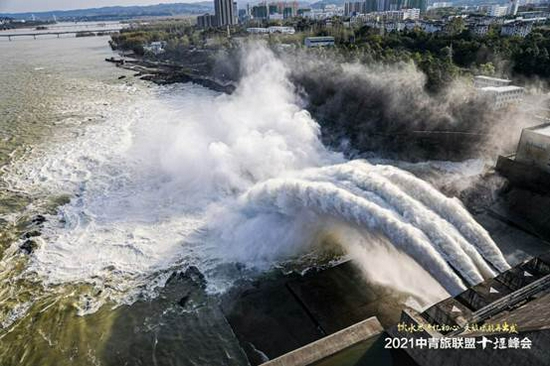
(17, 6)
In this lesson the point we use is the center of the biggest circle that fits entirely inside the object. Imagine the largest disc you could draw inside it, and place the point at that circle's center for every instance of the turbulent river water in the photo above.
(136, 182)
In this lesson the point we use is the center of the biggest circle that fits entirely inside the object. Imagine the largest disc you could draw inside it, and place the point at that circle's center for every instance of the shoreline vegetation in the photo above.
(441, 56)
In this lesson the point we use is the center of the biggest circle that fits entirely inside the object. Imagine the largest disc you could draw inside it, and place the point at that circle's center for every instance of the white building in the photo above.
(538, 16)
(394, 26)
(323, 14)
(518, 28)
(483, 81)
(413, 14)
(438, 5)
(392, 15)
(319, 41)
(534, 147)
(283, 30)
(480, 29)
(498, 11)
(502, 96)
(432, 27)
(155, 47)
(257, 30)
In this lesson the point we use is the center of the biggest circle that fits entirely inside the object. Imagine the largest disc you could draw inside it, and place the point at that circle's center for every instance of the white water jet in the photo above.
(453, 210)
(456, 249)
(411, 233)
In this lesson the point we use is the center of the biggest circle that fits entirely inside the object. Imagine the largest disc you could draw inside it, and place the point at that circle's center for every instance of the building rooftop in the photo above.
(501, 89)
(518, 22)
(488, 78)
(513, 305)
(543, 129)
(321, 38)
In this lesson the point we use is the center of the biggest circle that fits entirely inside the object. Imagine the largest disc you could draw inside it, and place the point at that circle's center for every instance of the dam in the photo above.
(518, 298)
(299, 311)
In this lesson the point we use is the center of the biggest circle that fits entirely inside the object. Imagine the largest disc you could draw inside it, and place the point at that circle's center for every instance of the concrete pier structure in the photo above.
(519, 296)
(329, 345)
(278, 315)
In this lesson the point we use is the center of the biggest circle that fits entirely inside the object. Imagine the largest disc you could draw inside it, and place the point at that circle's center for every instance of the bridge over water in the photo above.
(57, 33)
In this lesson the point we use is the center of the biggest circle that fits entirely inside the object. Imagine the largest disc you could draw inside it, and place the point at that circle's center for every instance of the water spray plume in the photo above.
(197, 178)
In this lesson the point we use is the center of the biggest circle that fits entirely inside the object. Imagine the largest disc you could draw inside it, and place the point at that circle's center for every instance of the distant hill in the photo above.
(301, 3)
(119, 12)
(321, 4)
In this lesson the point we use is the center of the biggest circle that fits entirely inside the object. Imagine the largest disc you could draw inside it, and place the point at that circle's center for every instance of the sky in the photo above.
(20, 6)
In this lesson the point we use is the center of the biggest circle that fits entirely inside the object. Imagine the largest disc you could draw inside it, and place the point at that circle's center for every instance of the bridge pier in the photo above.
(34, 35)
(9, 37)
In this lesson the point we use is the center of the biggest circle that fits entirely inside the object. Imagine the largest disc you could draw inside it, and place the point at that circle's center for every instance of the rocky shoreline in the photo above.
(167, 73)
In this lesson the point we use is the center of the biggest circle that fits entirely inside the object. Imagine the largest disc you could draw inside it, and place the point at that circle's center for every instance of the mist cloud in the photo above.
(386, 109)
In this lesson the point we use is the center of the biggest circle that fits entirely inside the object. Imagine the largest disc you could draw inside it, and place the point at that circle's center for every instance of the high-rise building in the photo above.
(288, 12)
(260, 11)
(394, 5)
(513, 8)
(225, 12)
(370, 6)
(206, 21)
(418, 4)
(347, 9)
(382, 5)
(498, 11)
(354, 8)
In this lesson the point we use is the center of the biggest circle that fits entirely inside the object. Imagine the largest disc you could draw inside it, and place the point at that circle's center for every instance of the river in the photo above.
(55, 91)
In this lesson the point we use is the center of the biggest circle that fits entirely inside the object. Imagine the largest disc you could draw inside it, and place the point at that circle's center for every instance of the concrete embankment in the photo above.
(276, 315)
(329, 345)
(516, 298)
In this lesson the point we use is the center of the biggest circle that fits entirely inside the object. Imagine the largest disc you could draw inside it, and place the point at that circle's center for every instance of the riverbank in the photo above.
(163, 73)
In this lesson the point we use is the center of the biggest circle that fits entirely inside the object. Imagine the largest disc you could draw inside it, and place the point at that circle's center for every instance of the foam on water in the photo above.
(184, 176)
